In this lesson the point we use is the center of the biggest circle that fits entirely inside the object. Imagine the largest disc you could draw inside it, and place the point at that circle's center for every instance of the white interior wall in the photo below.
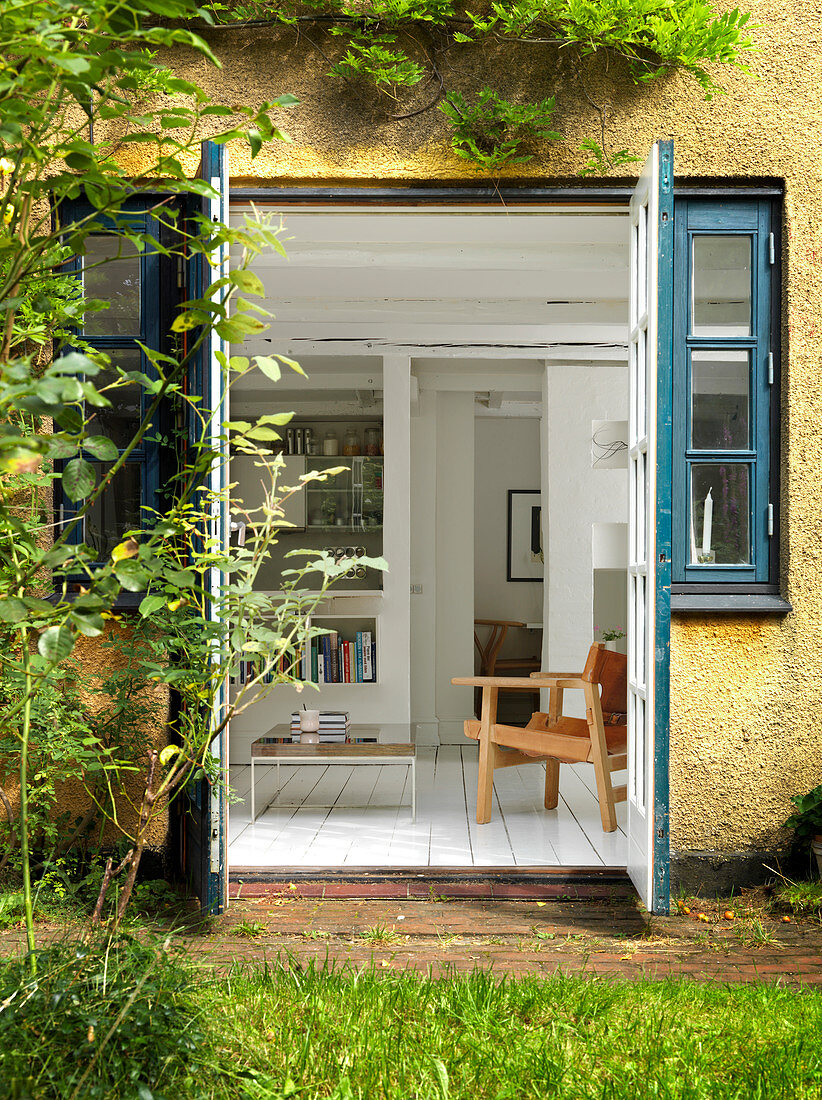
(576, 495)
(454, 587)
(507, 456)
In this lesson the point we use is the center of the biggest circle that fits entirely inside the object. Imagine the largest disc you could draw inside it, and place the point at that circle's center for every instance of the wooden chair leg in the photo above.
(599, 752)
(551, 783)
(485, 779)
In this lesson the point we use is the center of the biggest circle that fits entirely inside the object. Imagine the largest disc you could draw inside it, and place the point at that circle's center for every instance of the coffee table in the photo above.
(358, 754)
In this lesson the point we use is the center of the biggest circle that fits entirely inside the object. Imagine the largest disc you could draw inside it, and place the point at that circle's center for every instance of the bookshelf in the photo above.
(352, 510)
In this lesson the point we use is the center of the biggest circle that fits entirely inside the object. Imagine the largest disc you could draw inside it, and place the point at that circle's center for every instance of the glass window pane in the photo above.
(120, 422)
(720, 400)
(112, 273)
(116, 511)
(720, 514)
(721, 286)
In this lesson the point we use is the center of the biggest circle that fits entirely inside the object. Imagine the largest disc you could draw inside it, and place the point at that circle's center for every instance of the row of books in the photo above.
(329, 660)
(336, 660)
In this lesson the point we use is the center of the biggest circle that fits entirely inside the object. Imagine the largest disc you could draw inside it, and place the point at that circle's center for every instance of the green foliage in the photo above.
(393, 45)
(492, 132)
(377, 62)
(79, 83)
(806, 820)
(100, 1020)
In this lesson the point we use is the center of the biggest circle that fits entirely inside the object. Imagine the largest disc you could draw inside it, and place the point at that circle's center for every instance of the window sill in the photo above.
(758, 603)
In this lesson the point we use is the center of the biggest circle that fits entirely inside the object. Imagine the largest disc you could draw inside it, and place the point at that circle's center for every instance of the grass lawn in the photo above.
(375, 1035)
(128, 1020)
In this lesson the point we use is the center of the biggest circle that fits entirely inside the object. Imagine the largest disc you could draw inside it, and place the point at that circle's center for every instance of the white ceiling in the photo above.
(522, 278)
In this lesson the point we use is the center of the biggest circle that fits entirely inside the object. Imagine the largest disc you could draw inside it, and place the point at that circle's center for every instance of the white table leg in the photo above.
(413, 788)
(253, 814)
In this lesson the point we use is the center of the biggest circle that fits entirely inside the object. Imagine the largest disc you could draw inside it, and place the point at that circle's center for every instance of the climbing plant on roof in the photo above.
(412, 56)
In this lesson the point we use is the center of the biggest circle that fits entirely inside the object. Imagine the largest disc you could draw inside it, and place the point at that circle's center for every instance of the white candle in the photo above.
(707, 520)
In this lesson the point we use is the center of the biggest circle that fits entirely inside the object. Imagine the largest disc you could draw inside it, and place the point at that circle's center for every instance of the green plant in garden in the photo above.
(415, 56)
(806, 820)
(78, 86)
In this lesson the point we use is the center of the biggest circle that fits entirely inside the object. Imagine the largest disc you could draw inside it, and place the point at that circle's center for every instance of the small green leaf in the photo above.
(78, 479)
(131, 575)
(101, 447)
(55, 644)
(270, 367)
(150, 604)
(248, 282)
(12, 610)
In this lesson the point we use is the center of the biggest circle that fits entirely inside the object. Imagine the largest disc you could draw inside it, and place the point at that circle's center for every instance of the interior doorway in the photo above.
(486, 347)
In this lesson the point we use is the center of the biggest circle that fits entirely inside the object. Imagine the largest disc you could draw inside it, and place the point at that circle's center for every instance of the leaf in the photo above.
(90, 624)
(248, 282)
(131, 575)
(12, 610)
(101, 447)
(255, 140)
(78, 479)
(55, 644)
(270, 367)
(442, 1077)
(168, 754)
(150, 604)
(184, 578)
(127, 549)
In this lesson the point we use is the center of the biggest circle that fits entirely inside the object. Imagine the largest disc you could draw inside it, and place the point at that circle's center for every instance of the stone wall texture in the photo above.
(746, 693)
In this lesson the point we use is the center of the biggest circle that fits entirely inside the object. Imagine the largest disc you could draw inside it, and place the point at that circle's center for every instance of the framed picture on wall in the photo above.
(525, 554)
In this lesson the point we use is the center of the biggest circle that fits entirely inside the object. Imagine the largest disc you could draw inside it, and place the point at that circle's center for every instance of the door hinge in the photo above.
(181, 273)
(770, 521)
(772, 248)
(770, 368)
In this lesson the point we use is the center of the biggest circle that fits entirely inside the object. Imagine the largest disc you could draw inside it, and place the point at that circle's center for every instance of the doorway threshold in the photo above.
(425, 883)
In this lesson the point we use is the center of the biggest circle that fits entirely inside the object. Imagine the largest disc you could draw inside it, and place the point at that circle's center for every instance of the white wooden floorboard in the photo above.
(293, 843)
(411, 841)
(490, 842)
(380, 833)
(358, 791)
(558, 827)
(450, 839)
(296, 786)
(520, 792)
(610, 847)
(378, 823)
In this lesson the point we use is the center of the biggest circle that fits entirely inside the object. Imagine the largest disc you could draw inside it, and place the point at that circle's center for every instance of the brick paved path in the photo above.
(446, 930)
(443, 928)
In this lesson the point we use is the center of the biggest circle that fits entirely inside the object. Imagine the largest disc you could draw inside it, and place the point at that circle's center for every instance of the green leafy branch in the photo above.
(390, 45)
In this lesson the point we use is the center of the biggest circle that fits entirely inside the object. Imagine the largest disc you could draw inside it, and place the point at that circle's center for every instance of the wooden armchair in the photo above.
(601, 738)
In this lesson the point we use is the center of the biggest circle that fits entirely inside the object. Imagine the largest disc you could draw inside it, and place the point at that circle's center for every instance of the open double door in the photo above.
(649, 535)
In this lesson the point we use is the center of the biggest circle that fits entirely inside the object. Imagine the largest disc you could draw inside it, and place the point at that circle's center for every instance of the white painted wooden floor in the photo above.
(378, 832)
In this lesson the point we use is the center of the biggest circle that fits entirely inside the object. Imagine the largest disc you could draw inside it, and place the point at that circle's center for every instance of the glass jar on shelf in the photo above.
(331, 443)
(372, 441)
(351, 442)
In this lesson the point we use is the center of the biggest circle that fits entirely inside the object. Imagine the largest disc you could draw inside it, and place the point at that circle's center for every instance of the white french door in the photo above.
(649, 551)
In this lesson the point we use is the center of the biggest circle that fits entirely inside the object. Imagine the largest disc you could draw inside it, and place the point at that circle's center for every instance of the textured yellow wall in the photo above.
(746, 692)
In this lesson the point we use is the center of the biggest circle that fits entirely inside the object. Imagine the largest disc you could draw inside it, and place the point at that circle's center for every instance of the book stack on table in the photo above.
(334, 726)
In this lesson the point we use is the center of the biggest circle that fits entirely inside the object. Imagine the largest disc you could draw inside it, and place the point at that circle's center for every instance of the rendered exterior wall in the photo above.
(746, 693)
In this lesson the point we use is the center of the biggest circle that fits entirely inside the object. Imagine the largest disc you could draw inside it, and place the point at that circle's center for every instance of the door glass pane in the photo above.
(120, 422)
(720, 514)
(720, 400)
(116, 511)
(721, 286)
(112, 273)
